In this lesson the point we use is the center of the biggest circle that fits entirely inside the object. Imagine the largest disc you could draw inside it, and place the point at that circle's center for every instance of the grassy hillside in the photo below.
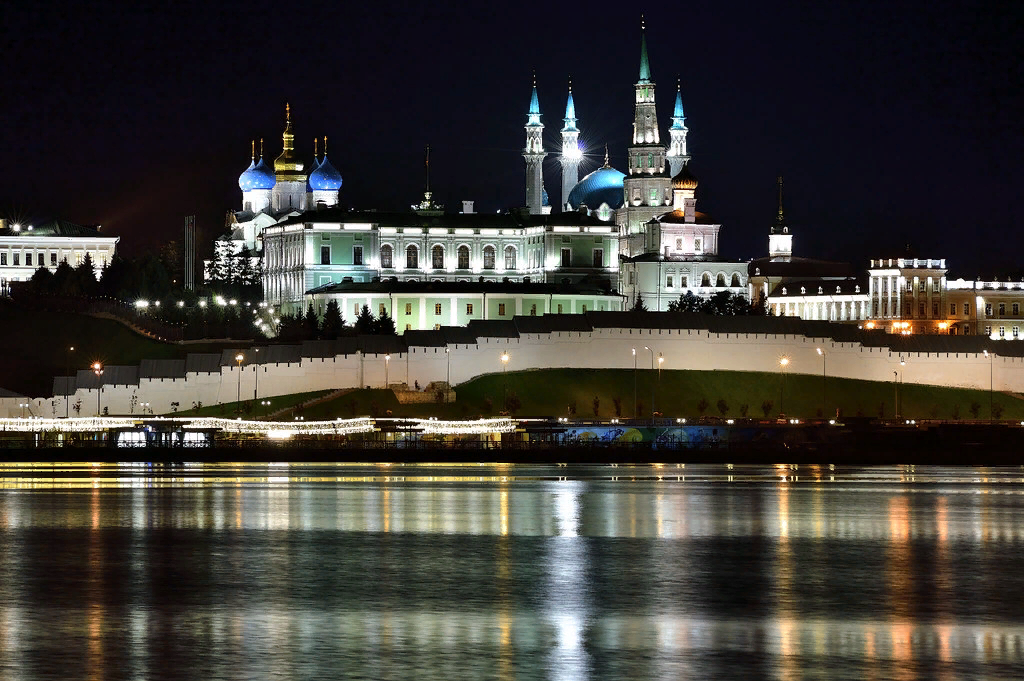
(36, 347)
(551, 392)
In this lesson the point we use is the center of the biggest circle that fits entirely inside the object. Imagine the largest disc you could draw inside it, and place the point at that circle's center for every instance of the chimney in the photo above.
(467, 207)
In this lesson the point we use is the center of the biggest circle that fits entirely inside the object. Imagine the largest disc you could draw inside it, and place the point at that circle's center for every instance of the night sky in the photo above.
(893, 123)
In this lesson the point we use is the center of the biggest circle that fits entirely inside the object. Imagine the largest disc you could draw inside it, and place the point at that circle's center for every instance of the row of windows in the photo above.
(705, 280)
(1002, 331)
(40, 259)
(382, 309)
(1002, 309)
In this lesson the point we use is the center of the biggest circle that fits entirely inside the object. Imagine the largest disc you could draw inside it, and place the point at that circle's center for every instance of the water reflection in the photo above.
(241, 571)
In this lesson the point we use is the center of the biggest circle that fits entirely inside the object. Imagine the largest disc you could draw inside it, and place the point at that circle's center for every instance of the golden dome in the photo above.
(684, 179)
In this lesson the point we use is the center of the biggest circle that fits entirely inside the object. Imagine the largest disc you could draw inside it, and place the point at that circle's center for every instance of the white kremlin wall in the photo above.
(601, 348)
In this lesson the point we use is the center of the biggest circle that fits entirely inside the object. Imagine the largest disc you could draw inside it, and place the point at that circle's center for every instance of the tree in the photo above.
(997, 410)
(744, 408)
(63, 278)
(766, 407)
(310, 324)
(364, 322)
(597, 405)
(702, 406)
(512, 404)
(639, 306)
(617, 405)
(385, 325)
(42, 281)
(333, 322)
(723, 407)
(85, 277)
(688, 302)
(975, 408)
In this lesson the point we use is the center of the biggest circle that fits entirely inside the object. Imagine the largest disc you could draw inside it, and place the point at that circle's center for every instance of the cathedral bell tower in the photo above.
(534, 154)
(571, 152)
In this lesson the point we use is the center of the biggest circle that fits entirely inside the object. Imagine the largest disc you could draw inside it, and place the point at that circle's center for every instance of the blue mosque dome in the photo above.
(325, 177)
(604, 185)
(257, 176)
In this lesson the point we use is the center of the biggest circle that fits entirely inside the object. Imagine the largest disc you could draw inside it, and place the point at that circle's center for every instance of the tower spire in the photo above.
(677, 156)
(325, 146)
(645, 66)
(606, 163)
(261, 147)
(316, 154)
(254, 151)
(534, 153)
(571, 152)
(780, 219)
(780, 238)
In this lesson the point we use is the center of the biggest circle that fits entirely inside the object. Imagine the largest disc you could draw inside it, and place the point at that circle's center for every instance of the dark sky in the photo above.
(892, 122)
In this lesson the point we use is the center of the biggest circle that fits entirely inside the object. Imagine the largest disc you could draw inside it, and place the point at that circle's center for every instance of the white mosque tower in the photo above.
(648, 185)
(571, 152)
(677, 156)
(780, 239)
(534, 154)
(290, 187)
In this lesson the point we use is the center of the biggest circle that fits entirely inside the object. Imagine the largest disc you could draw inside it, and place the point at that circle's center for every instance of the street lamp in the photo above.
(22, 405)
(67, 381)
(990, 383)
(387, 361)
(265, 403)
(97, 368)
(824, 407)
(783, 363)
(504, 378)
(448, 373)
(239, 358)
(634, 382)
(256, 373)
(651, 350)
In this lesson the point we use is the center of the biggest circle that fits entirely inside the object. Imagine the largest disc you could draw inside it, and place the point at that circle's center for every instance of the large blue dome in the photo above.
(325, 177)
(604, 185)
(257, 176)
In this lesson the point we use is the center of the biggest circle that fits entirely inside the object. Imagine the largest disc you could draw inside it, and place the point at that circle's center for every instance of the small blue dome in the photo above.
(604, 185)
(325, 177)
(257, 176)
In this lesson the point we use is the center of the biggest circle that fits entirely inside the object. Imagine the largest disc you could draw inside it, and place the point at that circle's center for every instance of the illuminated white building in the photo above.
(25, 248)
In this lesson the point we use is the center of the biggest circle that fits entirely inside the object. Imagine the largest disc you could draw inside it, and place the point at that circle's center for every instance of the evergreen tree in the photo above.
(639, 306)
(385, 325)
(310, 324)
(85, 283)
(688, 302)
(42, 281)
(333, 322)
(291, 328)
(364, 322)
(63, 278)
(245, 270)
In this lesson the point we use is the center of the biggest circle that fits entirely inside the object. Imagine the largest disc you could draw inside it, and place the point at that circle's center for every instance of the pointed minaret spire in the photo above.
(645, 66)
(426, 167)
(534, 154)
(325, 146)
(780, 239)
(606, 163)
(571, 152)
(316, 154)
(254, 151)
(677, 156)
(261, 147)
(290, 189)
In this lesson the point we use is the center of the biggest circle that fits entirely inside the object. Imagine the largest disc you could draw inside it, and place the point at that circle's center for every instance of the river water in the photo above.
(510, 572)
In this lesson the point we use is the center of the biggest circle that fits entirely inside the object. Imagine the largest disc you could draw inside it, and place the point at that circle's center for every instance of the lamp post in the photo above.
(239, 358)
(256, 373)
(264, 404)
(145, 406)
(824, 406)
(504, 378)
(634, 382)
(387, 361)
(22, 405)
(783, 363)
(97, 368)
(990, 383)
(651, 350)
(67, 381)
(448, 373)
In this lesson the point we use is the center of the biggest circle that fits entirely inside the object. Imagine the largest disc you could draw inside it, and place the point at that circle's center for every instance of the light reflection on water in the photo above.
(232, 571)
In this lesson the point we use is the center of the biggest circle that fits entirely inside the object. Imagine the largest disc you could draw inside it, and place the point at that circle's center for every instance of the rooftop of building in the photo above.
(52, 228)
(590, 286)
(517, 218)
(800, 268)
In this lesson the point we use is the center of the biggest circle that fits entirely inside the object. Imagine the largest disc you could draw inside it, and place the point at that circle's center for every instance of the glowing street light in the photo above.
(824, 406)
(448, 373)
(990, 382)
(651, 350)
(67, 381)
(97, 368)
(504, 378)
(239, 358)
(783, 363)
(387, 360)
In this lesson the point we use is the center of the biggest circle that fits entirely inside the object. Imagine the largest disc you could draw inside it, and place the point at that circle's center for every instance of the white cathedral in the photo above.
(616, 237)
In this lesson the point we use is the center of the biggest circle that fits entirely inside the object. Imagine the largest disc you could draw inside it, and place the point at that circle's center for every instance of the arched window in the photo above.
(386, 253)
(736, 281)
(437, 257)
(488, 257)
(412, 260)
(705, 279)
(721, 280)
(510, 257)
(463, 257)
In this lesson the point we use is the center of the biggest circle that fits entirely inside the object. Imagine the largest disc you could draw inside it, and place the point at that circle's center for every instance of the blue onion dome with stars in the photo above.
(604, 185)
(257, 176)
(325, 177)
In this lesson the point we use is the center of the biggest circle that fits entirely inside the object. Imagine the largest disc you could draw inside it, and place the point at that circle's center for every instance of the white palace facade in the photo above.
(26, 248)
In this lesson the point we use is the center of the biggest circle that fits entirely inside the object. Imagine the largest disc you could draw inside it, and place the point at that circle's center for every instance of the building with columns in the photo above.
(25, 248)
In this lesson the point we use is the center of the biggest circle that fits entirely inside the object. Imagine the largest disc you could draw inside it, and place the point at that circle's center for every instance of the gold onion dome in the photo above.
(684, 179)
